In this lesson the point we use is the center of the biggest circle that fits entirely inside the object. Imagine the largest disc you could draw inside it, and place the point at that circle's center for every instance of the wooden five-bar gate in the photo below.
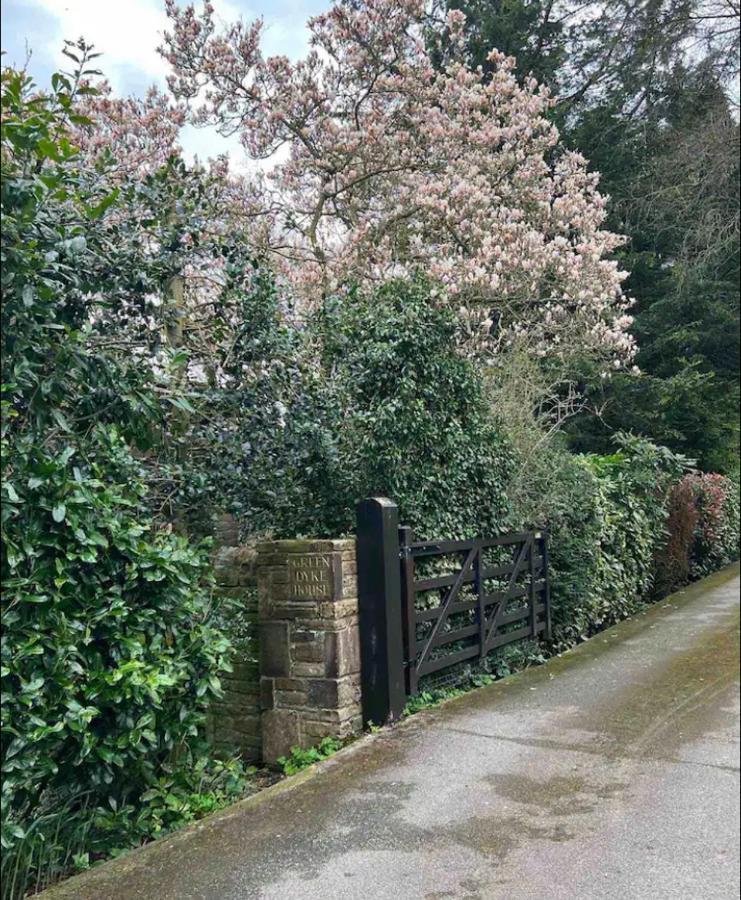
(427, 606)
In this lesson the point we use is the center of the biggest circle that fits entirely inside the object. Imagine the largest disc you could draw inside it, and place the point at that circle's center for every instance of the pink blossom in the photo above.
(393, 166)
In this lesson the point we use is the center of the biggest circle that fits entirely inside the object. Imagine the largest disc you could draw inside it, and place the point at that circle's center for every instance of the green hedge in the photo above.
(607, 517)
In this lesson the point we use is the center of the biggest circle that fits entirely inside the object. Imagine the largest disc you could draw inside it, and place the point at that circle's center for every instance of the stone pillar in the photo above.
(309, 643)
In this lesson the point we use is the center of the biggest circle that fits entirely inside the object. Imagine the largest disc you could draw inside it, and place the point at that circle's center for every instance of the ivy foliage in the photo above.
(607, 518)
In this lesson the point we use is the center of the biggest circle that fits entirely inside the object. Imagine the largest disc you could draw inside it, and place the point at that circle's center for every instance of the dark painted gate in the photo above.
(482, 604)
(426, 606)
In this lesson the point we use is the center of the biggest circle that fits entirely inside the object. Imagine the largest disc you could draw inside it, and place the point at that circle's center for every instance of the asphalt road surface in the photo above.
(610, 772)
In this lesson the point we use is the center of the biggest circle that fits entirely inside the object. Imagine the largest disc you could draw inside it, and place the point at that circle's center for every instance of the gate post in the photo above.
(379, 607)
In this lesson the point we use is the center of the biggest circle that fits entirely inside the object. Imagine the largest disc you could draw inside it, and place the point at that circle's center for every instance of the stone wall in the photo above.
(234, 720)
(309, 643)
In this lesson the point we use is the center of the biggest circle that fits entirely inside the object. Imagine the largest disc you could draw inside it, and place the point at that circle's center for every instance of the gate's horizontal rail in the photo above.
(450, 637)
(439, 548)
(452, 659)
(460, 634)
(425, 615)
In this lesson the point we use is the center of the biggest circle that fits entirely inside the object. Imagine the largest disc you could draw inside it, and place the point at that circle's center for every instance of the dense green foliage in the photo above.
(679, 202)
(348, 406)
(607, 519)
(406, 396)
(110, 650)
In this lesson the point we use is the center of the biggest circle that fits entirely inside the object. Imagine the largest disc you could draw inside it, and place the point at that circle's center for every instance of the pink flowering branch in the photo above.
(390, 165)
(140, 134)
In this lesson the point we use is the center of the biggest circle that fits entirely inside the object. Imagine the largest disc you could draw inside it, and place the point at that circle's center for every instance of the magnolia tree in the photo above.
(385, 165)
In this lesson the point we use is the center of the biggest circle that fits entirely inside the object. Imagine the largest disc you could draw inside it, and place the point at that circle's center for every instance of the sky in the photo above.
(127, 33)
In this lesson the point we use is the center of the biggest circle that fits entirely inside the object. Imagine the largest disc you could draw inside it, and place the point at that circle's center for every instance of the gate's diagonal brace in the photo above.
(498, 612)
(451, 595)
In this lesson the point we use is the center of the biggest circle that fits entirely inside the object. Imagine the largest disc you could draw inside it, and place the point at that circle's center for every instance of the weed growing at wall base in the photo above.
(299, 758)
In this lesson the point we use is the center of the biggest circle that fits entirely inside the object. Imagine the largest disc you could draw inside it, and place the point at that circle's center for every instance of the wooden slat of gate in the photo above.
(459, 634)
(449, 637)
(425, 615)
(451, 659)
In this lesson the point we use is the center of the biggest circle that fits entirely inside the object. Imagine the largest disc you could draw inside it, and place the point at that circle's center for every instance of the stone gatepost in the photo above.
(309, 643)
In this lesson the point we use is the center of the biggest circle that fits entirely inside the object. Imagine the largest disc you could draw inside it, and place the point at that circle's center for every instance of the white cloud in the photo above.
(126, 33)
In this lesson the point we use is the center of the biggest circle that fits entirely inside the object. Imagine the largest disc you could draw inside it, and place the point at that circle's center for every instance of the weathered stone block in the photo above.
(349, 586)
(292, 611)
(246, 670)
(311, 576)
(341, 652)
(314, 732)
(339, 610)
(332, 693)
(308, 669)
(291, 699)
(281, 730)
(291, 684)
(306, 602)
(275, 656)
(226, 530)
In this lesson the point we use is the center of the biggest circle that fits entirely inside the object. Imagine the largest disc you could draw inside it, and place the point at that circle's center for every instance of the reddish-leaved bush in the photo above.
(716, 541)
(674, 559)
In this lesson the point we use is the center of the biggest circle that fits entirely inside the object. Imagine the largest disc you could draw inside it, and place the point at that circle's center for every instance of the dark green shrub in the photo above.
(111, 647)
(109, 654)
(634, 485)
(607, 519)
(110, 650)
(411, 422)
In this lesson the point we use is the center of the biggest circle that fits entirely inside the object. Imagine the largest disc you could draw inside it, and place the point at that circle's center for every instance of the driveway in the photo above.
(610, 772)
